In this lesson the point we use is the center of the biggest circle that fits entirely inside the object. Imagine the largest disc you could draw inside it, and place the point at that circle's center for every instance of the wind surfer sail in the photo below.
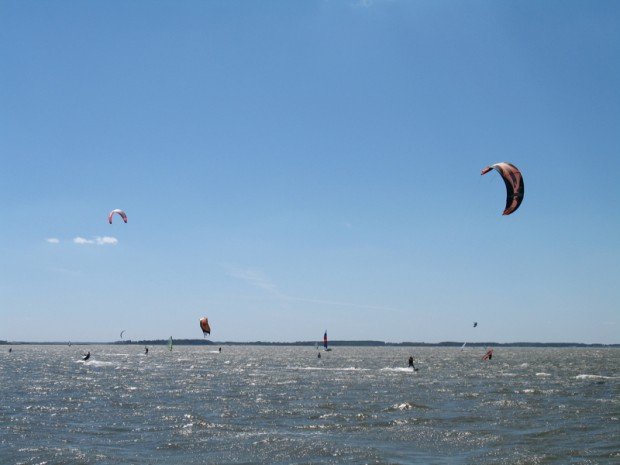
(170, 344)
(325, 342)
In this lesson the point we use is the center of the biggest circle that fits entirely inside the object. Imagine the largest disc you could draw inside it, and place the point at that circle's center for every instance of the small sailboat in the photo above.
(325, 348)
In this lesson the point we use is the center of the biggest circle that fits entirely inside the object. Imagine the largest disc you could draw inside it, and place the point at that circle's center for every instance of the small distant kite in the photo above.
(475, 324)
(204, 325)
(515, 189)
(122, 332)
(121, 213)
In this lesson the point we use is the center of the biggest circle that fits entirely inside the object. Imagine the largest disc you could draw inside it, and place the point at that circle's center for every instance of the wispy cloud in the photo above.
(97, 240)
(259, 280)
(343, 304)
(368, 3)
(66, 271)
(52, 240)
(255, 278)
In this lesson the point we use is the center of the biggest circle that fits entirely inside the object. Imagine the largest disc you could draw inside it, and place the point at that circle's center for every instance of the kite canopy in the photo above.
(515, 190)
(121, 213)
(204, 325)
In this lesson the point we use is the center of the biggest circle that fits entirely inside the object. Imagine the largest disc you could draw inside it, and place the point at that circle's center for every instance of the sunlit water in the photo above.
(283, 405)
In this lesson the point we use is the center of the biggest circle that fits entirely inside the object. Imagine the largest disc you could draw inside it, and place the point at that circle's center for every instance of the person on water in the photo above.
(146, 351)
(220, 349)
(86, 356)
(411, 362)
(10, 349)
(319, 355)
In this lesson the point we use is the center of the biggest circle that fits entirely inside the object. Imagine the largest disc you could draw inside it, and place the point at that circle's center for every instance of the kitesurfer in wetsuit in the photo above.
(411, 361)
(146, 351)
(86, 356)
(220, 349)
(10, 349)
(319, 355)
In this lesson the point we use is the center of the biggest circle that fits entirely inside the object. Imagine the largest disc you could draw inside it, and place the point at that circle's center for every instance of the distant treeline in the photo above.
(200, 342)
(419, 344)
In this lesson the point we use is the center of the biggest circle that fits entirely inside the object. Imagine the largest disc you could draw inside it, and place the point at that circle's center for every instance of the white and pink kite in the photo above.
(121, 213)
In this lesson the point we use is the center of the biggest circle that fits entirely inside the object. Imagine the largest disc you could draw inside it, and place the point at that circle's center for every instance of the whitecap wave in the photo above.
(398, 369)
(94, 363)
(586, 376)
(329, 369)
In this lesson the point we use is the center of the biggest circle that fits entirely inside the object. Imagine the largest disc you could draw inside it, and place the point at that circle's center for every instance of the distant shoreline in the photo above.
(199, 342)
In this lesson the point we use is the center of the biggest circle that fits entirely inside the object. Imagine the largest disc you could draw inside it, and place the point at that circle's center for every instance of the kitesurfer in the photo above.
(146, 351)
(411, 361)
(10, 349)
(86, 356)
(220, 350)
(319, 355)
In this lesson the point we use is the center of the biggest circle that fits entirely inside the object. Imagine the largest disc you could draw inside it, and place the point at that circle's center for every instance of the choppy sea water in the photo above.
(283, 405)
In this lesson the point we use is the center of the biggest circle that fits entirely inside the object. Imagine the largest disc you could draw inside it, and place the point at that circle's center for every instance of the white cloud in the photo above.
(106, 240)
(98, 240)
(52, 240)
(81, 240)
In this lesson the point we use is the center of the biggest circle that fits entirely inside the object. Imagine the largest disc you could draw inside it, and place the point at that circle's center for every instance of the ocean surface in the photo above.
(283, 405)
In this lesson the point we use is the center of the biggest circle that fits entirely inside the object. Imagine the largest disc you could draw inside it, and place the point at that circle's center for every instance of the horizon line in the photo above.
(336, 342)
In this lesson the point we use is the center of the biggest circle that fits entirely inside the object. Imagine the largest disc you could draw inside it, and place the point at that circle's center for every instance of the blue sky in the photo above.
(291, 167)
